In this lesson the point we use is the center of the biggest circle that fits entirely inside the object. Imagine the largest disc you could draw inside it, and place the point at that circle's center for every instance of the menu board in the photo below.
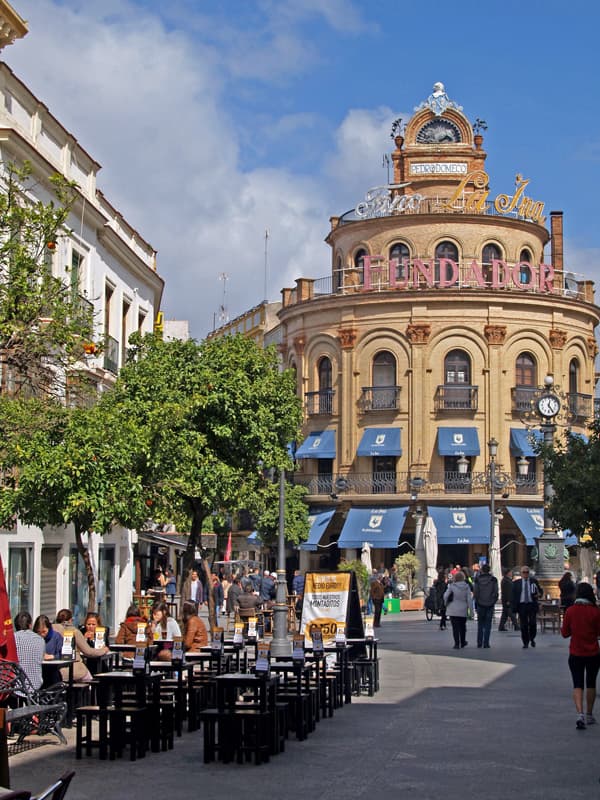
(99, 637)
(263, 654)
(177, 654)
(238, 634)
(252, 627)
(298, 648)
(340, 634)
(68, 643)
(325, 603)
(317, 639)
(140, 635)
(139, 659)
(216, 642)
(369, 630)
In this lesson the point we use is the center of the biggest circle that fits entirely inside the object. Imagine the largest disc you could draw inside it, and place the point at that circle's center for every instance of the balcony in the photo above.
(319, 402)
(456, 397)
(581, 406)
(398, 483)
(380, 398)
(522, 397)
(111, 355)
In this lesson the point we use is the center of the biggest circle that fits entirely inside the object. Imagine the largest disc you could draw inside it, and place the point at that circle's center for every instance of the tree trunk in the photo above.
(210, 596)
(84, 552)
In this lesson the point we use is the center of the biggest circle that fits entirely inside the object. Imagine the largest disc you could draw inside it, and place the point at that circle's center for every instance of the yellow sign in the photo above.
(475, 202)
(325, 604)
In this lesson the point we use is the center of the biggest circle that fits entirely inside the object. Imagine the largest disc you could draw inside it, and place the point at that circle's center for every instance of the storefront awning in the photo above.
(380, 442)
(380, 527)
(530, 521)
(461, 524)
(318, 444)
(318, 526)
(457, 441)
(522, 442)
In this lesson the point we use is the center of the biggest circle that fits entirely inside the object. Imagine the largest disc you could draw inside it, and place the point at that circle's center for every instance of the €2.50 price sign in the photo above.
(325, 604)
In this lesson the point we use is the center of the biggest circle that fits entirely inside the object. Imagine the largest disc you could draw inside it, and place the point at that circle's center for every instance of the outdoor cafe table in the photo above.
(181, 673)
(118, 650)
(301, 671)
(238, 655)
(147, 693)
(59, 663)
(230, 685)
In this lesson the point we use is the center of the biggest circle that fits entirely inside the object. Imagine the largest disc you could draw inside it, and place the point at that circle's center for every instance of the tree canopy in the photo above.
(43, 321)
(572, 466)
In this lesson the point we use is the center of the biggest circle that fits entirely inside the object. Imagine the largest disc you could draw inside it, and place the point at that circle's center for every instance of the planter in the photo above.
(416, 604)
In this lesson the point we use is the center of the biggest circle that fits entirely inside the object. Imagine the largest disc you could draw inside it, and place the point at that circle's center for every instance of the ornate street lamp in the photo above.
(416, 484)
(280, 645)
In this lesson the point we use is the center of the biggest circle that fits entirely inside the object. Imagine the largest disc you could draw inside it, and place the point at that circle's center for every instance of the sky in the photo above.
(218, 120)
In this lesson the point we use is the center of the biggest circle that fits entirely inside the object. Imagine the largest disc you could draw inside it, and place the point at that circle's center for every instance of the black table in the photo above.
(59, 663)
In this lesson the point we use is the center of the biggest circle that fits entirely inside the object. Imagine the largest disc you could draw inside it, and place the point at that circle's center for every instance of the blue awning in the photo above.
(585, 439)
(454, 441)
(461, 524)
(380, 527)
(254, 538)
(530, 521)
(521, 443)
(380, 442)
(318, 526)
(318, 444)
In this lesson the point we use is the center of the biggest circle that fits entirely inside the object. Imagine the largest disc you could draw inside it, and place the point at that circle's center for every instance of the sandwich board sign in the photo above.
(330, 602)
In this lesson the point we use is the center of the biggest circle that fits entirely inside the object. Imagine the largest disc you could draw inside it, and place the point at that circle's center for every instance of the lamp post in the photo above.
(280, 645)
(548, 409)
(416, 484)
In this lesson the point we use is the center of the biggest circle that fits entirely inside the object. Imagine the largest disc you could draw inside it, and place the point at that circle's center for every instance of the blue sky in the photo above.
(215, 121)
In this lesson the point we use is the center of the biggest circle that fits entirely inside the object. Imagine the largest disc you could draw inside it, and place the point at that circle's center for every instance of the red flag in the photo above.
(8, 646)
(228, 549)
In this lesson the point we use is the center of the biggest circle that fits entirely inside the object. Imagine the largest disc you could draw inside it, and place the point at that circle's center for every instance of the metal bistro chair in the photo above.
(15, 795)
(58, 789)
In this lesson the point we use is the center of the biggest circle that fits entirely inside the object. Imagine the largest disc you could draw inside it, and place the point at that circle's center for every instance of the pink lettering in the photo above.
(474, 274)
(500, 274)
(448, 273)
(523, 275)
(546, 278)
(422, 269)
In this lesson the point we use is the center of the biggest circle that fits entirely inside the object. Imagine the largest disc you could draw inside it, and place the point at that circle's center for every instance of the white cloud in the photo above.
(148, 103)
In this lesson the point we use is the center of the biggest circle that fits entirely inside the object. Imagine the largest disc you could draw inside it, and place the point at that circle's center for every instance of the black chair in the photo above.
(58, 789)
(15, 796)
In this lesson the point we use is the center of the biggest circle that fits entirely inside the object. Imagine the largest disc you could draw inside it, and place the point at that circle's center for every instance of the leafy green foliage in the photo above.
(43, 323)
(263, 504)
(572, 467)
(408, 567)
(362, 575)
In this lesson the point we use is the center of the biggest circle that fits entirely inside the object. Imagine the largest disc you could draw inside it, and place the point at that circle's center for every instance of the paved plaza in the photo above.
(445, 724)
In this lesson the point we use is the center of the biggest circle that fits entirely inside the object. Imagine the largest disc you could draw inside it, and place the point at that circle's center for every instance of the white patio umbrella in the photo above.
(430, 544)
(587, 563)
(365, 556)
(495, 560)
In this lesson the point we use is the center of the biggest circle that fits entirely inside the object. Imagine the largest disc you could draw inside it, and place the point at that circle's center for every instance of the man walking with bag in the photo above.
(485, 592)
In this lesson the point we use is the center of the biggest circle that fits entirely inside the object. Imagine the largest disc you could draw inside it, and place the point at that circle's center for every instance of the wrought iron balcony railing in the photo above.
(456, 397)
(380, 398)
(581, 405)
(399, 483)
(522, 397)
(321, 402)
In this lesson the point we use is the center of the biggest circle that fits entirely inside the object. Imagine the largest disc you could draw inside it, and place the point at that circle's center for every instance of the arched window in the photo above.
(489, 253)
(573, 376)
(525, 257)
(325, 386)
(525, 370)
(457, 367)
(444, 250)
(337, 275)
(384, 389)
(401, 254)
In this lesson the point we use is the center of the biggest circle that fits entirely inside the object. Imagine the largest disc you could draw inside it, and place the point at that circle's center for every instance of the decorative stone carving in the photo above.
(282, 349)
(347, 337)
(592, 347)
(418, 333)
(558, 338)
(495, 334)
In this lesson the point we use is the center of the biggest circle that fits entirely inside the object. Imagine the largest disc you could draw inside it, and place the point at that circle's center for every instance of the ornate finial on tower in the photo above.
(479, 125)
(396, 128)
(439, 101)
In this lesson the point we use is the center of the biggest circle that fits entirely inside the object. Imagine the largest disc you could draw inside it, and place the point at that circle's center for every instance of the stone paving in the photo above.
(451, 724)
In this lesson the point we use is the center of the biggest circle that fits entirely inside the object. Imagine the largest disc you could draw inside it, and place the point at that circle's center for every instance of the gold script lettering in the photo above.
(474, 201)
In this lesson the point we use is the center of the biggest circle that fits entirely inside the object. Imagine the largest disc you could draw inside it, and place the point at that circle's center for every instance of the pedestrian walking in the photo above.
(377, 595)
(526, 592)
(459, 604)
(506, 585)
(485, 592)
(439, 587)
(582, 623)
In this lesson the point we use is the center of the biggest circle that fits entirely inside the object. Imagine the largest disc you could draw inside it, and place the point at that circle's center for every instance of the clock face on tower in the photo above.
(439, 131)
(548, 405)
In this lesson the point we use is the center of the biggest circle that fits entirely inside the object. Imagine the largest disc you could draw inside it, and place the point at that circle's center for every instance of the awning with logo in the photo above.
(522, 440)
(457, 441)
(380, 527)
(530, 521)
(318, 526)
(318, 444)
(380, 442)
(461, 524)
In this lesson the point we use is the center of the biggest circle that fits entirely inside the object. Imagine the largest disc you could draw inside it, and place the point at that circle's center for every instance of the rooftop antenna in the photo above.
(386, 163)
(266, 263)
(223, 315)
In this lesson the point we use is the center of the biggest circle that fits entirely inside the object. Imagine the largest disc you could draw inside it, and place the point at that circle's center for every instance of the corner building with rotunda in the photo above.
(446, 307)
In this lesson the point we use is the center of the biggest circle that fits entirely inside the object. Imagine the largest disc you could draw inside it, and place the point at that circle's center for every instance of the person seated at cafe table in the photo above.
(30, 648)
(248, 604)
(164, 628)
(54, 642)
(64, 622)
(128, 630)
(195, 635)
(88, 629)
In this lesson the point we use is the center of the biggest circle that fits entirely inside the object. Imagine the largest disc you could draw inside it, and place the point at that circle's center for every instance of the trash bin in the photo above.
(392, 605)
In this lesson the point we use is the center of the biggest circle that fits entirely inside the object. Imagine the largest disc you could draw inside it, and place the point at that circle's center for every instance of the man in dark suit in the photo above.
(526, 592)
